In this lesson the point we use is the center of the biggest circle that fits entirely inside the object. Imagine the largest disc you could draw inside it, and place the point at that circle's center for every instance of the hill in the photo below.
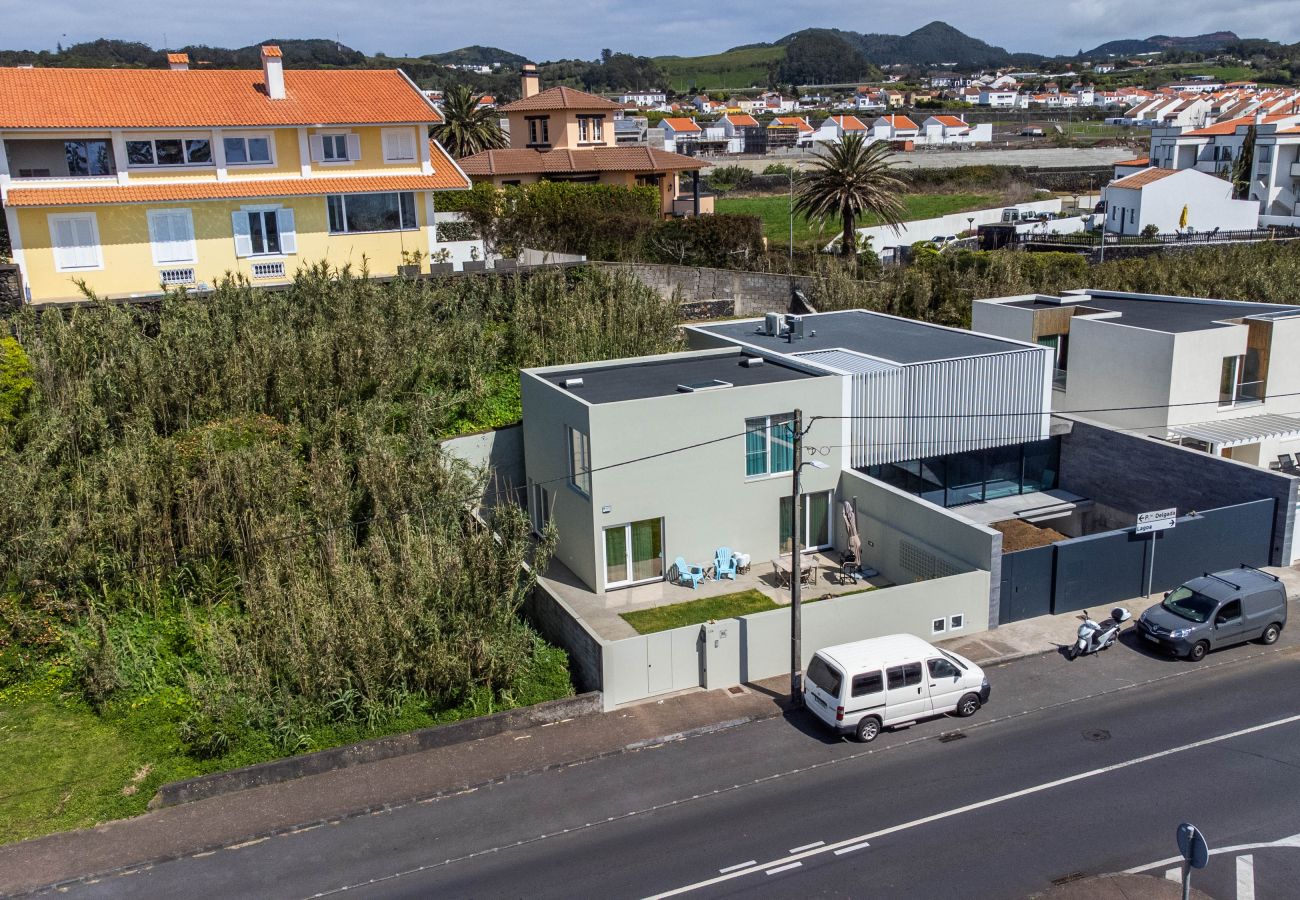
(477, 55)
(737, 69)
(1159, 43)
(935, 44)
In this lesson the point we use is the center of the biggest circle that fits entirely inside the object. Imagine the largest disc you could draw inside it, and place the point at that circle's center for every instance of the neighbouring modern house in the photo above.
(1173, 200)
(562, 134)
(1274, 186)
(878, 394)
(128, 180)
(894, 128)
(944, 130)
(744, 132)
(681, 134)
(836, 128)
(1220, 376)
(789, 131)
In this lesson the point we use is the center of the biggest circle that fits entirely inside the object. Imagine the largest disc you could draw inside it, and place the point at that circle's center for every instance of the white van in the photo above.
(865, 686)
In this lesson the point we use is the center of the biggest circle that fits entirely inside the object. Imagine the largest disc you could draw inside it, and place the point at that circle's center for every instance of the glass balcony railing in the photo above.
(1244, 392)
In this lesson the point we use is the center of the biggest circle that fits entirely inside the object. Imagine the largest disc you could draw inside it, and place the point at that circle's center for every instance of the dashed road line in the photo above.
(806, 847)
(743, 865)
(851, 848)
(786, 868)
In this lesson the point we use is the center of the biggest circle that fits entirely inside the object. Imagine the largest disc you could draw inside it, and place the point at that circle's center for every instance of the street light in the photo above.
(796, 570)
(970, 223)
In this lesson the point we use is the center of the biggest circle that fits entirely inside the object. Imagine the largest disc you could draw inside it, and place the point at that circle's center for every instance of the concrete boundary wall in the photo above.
(754, 293)
(279, 770)
(499, 453)
(1136, 474)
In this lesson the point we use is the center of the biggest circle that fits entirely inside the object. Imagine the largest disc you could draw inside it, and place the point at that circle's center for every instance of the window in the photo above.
(264, 231)
(340, 147)
(869, 683)
(335, 146)
(907, 675)
(171, 236)
(769, 445)
(956, 622)
(1264, 153)
(1059, 344)
(634, 553)
(88, 157)
(941, 668)
(349, 213)
(579, 462)
(399, 145)
(591, 129)
(1132, 215)
(1239, 379)
(75, 239)
(938, 626)
(1229, 613)
(247, 151)
(539, 506)
(539, 130)
(169, 152)
(825, 676)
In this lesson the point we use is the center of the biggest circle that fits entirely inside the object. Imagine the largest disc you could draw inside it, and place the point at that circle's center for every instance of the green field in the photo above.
(736, 69)
(775, 213)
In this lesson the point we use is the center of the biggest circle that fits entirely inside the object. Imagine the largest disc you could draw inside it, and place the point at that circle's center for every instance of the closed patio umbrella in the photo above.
(1182, 219)
(850, 510)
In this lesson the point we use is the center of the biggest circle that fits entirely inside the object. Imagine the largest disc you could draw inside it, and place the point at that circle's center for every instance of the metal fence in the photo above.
(1214, 236)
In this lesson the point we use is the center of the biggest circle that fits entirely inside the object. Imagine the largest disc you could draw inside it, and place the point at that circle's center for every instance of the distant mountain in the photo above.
(477, 55)
(1158, 43)
(934, 44)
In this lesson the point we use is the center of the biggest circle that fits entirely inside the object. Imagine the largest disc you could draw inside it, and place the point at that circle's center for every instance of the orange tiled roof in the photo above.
(177, 58)
(789, 121)
(271, 50)
(595, 159)
(1229, 127)
(160, 98)
(1144, 161)
(901, 122)
(682, 124)
(951, 121)
(560, 98)
(246, 188)
(1139, 180)
(850, 123)
(742, 119)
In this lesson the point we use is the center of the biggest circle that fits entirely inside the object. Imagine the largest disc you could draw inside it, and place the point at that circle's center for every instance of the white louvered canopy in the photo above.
(1246, 430)
(847, 361)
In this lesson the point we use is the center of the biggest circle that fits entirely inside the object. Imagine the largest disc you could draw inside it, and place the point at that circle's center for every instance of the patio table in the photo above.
(783, 564)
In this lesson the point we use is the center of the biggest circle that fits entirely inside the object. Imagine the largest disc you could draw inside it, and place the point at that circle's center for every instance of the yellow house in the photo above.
(562, 134)
(129, 180)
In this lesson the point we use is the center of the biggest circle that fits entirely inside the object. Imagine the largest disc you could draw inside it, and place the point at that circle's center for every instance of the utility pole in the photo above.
(796, 570)
(791, 267)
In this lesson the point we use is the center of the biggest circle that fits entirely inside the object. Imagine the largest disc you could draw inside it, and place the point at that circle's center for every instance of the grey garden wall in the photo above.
(754, 293)
(556, 621)
(500, 452)
(1137, 474)
(908, 539)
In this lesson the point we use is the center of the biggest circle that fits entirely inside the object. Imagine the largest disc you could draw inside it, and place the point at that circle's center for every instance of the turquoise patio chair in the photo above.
(724, 564)
(688, 574)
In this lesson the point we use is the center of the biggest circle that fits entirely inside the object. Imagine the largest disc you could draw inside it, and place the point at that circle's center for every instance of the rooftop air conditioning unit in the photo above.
(772, 324)
(750, 361)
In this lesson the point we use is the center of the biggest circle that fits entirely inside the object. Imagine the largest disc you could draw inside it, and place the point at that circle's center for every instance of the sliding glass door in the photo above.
(634, 553)
(815, 534)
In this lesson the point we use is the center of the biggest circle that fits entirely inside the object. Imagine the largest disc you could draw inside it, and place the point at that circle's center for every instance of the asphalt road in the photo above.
(992, 155)
(1073, 768)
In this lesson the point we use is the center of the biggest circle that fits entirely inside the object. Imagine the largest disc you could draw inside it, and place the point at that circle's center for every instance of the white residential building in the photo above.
(645, 99)
(1166, 198)
(999, 98)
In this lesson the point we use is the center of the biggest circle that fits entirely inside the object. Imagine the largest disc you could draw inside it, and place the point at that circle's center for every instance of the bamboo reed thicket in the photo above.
(241, 497)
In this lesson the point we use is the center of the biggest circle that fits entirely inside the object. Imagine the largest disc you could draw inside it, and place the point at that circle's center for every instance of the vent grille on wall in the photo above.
(176, 276)
(268, 270)
(922, 563)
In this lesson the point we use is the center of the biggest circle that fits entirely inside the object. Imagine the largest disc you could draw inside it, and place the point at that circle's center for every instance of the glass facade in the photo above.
(978, 475)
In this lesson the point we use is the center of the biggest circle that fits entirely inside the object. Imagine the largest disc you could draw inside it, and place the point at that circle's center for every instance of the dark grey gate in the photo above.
(1026, 584)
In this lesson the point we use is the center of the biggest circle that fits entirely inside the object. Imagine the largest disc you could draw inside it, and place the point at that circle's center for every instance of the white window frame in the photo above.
(97, 247)
(415, 226)
(351, 145)
(151, 216)
(280, 216)
(410, 133)
(578, 457)
(155, 166)
(246, 136)
(769, 441)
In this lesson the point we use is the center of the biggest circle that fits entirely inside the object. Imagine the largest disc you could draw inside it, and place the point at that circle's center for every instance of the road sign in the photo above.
(1159, 515)
(1148, 527)
(1191, 844)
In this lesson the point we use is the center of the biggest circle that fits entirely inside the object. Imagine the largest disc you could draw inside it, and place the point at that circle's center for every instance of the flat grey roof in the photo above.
(1169, 315)
(636, 380)
(901, 341)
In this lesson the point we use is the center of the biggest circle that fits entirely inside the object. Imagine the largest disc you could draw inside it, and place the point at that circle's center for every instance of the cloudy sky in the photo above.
(550, 29)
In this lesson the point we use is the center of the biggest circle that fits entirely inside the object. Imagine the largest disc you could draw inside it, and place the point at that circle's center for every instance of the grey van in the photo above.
(1217, 610)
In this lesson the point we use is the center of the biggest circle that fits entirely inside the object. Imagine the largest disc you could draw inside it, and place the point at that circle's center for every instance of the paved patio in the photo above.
(602, 612)
(1030, 507)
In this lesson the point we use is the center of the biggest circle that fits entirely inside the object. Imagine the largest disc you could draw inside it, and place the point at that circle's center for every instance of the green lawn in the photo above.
(693, 612)
(775, 213)
(720, 71)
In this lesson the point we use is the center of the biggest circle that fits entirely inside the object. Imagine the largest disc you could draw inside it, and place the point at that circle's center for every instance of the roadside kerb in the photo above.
(279, 770)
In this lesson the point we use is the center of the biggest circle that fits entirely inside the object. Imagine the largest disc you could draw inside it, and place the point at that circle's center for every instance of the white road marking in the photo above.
(1175, 874)
(1246, 877)
(1292, 841)
(981, 804)
(850, 849)
(786, 868)
(736, 866)
(806, 847)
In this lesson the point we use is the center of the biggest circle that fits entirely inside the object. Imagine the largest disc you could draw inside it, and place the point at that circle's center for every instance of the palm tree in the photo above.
(851, 179)
(467, 128)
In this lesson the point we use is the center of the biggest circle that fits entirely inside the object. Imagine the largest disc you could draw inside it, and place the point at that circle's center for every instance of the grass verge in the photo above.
(693, 612)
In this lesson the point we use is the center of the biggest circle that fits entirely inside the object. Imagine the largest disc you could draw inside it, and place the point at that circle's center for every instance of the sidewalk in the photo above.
(234, 818)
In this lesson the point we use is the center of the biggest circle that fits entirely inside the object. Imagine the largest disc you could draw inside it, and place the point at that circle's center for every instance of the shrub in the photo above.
(718, 241)
(780, 169)
(1150, 231)
(455, 231)
(15, 380)
(729, 178)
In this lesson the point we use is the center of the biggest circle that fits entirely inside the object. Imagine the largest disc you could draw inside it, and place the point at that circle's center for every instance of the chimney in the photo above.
(273, 71)
(529, 82)
(178, 62)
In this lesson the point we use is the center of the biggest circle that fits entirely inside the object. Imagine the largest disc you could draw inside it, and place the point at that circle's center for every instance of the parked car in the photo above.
(1217, 610)
(1031, 132)
(862, 687)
